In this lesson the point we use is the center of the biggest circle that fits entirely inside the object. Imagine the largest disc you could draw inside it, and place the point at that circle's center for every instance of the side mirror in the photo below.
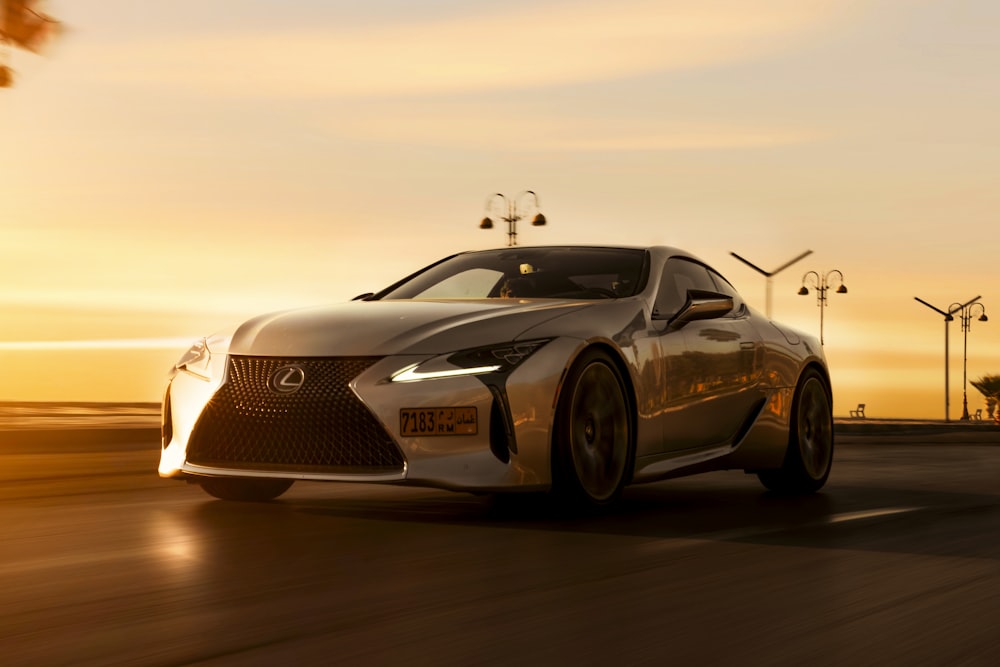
(702, 305)
(363, 297)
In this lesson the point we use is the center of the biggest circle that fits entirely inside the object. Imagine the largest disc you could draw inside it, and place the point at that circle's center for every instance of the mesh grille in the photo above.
(322, 427)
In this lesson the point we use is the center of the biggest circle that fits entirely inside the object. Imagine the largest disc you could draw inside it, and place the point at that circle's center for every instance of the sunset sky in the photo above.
(169, 169)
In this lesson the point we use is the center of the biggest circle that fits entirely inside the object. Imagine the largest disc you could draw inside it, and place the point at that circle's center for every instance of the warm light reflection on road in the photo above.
(173, 543)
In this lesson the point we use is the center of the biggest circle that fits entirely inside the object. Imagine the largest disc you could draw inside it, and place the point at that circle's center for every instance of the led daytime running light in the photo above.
(478, 361)
(411, 374)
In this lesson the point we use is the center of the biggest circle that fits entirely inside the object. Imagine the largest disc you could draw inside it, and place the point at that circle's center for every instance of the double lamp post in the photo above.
(510, 212)
(965, 314)
(822, 283)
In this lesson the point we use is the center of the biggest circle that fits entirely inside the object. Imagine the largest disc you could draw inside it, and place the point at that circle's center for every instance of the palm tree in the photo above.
(989, 387)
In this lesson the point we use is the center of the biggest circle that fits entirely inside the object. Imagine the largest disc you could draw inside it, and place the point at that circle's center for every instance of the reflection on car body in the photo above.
(574, 369)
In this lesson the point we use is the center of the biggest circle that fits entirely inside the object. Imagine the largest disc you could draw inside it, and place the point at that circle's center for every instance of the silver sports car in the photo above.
(576, 370)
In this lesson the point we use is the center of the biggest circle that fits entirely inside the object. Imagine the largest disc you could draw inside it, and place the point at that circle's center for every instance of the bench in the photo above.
(859, 412)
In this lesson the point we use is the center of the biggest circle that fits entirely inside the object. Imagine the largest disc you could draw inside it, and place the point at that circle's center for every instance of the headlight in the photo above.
(500, 359)
(198, 359)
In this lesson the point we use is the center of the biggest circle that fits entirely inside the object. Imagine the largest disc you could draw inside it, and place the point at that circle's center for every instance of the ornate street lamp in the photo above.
(512, 213)
(769, 274)
(965, 313)
(948, 317)
(821, 284)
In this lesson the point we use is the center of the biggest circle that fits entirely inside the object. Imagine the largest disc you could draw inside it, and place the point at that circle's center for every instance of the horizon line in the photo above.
(97, 344)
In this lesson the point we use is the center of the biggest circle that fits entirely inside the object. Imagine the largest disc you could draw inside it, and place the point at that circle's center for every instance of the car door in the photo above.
(710, 367)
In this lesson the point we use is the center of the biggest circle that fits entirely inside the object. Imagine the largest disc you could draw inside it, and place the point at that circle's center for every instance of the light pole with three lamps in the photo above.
(513, 214)
(821, 283)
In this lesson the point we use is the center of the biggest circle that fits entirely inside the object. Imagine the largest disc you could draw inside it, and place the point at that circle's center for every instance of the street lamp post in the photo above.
(821, 283)
(769, 274)
(965, 313)
(948, 317)
(512, 213)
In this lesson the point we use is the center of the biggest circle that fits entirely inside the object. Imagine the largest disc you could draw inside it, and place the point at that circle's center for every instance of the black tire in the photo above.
(810, 440)
(593, 433)
(245, 490)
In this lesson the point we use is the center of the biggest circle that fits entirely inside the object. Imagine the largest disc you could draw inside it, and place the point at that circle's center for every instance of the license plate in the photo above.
(438, 421)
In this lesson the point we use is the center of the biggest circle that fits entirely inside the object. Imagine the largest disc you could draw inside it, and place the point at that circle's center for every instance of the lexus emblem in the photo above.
(287, 380)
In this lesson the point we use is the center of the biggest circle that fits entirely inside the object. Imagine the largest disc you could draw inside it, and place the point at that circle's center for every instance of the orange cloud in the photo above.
(551, 44)
(487, 130)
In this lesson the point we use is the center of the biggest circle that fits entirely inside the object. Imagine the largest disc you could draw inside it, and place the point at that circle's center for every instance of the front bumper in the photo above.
(348, 429)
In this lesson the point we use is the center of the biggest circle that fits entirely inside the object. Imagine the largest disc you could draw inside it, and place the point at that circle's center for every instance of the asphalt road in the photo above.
(897, 562)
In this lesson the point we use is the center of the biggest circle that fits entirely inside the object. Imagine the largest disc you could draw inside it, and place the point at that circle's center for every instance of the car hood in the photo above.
(381, 328)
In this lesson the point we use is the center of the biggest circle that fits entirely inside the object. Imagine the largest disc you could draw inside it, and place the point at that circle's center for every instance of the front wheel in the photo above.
(243, 489)
(810, 441)
(593, 433)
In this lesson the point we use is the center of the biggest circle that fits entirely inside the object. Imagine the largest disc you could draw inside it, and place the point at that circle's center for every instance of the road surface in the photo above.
(897, 562)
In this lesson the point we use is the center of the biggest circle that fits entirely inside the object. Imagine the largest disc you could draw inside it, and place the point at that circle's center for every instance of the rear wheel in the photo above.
(810, 440)
(245, 490)
(593, 433)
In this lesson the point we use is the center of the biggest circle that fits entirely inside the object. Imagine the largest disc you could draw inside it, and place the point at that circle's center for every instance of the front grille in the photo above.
(322, 427)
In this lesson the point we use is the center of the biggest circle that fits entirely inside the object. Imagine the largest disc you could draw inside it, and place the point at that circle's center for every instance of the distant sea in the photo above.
(43, 415)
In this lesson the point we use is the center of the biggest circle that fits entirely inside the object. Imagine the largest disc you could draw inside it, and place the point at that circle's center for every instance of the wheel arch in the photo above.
(624, 372)
(823, 372)
(798, 473)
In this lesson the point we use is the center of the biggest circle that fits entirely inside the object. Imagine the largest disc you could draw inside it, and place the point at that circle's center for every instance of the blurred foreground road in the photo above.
(897, 562)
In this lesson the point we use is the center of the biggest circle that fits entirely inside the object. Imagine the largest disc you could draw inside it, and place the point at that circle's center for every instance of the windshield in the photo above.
(529, 273)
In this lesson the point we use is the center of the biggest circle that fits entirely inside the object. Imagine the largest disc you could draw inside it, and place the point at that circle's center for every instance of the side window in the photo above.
(680, 275)
(722, 286)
